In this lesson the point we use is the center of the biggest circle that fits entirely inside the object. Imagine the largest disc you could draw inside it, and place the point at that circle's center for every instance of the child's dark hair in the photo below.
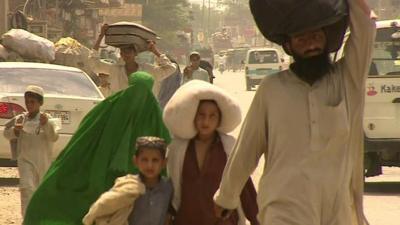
(152, 143)
(34, 95)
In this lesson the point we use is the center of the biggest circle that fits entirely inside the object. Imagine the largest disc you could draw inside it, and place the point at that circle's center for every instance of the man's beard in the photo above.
(313, 68)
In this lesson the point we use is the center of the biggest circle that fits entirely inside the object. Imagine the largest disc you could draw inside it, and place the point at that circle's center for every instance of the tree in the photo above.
(238, 13)
(166, 17)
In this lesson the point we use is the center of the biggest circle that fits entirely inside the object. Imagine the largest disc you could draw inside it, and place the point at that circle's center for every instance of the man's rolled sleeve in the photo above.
(164, 69)
(359, 46)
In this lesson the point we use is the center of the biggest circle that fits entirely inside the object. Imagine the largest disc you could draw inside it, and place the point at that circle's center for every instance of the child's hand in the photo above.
(17, 130)
(188, 71)
(221, 212)
(43, 119)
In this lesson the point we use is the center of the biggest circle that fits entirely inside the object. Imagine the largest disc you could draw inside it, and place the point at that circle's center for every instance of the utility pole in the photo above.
(208, 20)
(4, 7)
(202, 16)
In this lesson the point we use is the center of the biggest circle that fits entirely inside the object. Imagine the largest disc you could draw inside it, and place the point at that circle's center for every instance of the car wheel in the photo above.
(372, 164)
(248, 84)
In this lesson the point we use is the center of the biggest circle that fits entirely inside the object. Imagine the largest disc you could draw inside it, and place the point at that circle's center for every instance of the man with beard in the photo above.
(307, 122)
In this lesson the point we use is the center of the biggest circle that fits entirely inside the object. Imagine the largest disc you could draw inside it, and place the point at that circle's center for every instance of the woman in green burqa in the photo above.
(100, 151)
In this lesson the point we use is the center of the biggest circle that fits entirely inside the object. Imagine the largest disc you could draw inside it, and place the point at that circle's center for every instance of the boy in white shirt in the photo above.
(35, 133)
(193, 71)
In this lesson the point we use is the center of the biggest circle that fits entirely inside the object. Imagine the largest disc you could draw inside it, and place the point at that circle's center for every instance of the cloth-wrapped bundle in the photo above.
(29, 45)
(126, 33)
(278, 19)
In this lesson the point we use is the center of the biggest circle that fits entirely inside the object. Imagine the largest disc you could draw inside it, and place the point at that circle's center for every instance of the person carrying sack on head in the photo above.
(307, 124)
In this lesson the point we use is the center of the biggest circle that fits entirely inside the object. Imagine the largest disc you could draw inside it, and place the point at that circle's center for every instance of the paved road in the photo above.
(382, 197)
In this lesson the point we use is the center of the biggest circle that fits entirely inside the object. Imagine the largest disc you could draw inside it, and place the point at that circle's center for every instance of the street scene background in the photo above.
(210, 27)
(382, 197)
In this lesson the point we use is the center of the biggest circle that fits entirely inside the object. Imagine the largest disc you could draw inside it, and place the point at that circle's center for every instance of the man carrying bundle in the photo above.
(307, 121)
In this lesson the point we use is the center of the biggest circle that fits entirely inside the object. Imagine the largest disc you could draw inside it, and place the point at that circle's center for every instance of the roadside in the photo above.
(9, 197)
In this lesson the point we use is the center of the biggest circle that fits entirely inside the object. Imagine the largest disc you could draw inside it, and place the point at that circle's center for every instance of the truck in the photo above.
(381, 122)
(221, 41)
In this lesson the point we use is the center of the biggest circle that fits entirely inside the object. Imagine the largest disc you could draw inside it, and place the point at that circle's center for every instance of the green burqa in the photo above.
(100, 151)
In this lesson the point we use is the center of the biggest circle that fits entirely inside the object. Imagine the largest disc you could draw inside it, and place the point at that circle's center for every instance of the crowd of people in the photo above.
(157, 150)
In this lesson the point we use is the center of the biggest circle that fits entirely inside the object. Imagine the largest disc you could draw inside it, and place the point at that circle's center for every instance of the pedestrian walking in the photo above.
(169, 85)
(100, 151)
(119, 72)
(35, 133)
(193, 71)
(200, 116)
(307, 122)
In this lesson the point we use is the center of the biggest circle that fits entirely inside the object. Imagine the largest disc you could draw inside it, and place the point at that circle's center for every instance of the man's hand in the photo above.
(43, 119)
(373, 15)
(103, 30)
(152, 48)
(221, 212)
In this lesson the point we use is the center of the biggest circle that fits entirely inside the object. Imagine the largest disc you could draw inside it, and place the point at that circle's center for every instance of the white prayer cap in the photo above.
(35, 89)
(194, 53)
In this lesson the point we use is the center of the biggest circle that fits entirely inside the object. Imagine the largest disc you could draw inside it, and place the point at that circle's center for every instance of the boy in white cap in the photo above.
(193, 71)
(35, 133)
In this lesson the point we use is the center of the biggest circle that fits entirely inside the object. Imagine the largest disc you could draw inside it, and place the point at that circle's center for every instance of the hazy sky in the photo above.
(201, 1)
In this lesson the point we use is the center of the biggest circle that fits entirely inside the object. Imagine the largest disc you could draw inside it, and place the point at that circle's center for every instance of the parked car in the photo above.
(261, 62)
(382, 98)
(69, 95)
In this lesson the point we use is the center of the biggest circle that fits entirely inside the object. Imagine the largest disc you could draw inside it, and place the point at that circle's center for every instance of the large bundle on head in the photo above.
(126, 33)
(278, 19)
(29, 45)
(180, 111)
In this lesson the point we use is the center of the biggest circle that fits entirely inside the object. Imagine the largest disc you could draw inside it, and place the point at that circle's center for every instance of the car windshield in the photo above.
(57, 82)
(386, 58)
(257, 57)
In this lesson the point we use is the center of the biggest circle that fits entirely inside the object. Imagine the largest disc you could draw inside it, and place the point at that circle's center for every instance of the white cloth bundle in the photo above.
(29, 45)
(114, 206)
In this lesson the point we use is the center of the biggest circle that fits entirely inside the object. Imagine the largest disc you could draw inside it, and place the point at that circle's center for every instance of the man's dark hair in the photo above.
(150, 142)
(34, 95)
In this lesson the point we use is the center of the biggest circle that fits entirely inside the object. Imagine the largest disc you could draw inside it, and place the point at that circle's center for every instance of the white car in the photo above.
(69, 95)
(261, 62)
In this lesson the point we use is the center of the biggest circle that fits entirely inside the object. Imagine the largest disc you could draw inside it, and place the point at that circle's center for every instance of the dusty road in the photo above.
(382, 197)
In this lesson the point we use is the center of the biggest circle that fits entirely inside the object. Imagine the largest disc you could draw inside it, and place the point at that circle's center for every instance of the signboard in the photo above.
(131, 10)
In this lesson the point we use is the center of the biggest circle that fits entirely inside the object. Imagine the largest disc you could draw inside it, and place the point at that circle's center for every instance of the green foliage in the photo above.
(166, 17)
